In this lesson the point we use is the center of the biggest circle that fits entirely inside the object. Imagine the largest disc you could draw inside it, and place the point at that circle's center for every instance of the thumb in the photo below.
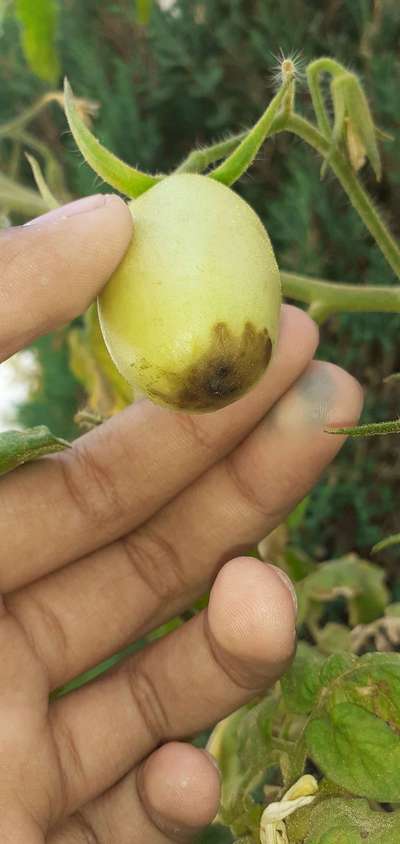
(52, 268)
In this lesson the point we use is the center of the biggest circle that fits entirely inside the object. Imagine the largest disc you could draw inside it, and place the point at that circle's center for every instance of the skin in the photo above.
(105, 541)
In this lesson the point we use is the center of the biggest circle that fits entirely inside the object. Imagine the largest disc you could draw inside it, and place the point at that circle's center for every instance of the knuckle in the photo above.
(70, 765)
(90, 485)
(147, 700)
(156, 562)
(46, 635)
(198, 434)
(83, 830)
(243, 488)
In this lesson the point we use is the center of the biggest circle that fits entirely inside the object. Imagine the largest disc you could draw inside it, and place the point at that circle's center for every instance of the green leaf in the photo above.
(41, 183)
(375, 429)
(107, 391)
(337, 835)
(394, 539)
(357, 750)
(143, 11)
(360, 584)
(17, 447)
(339, 820)
(296, 517)
(336, 666)
(38, 21)
(301, 684)
(393, 610)
(242, 744)
(108, 166)
(360, 119)
(334, 638)
(353, 734)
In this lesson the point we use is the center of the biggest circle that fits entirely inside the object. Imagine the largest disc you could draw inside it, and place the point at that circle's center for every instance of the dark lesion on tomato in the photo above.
(230, 367)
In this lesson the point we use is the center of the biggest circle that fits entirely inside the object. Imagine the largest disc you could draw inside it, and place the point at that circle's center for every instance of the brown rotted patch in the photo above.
(230, 367)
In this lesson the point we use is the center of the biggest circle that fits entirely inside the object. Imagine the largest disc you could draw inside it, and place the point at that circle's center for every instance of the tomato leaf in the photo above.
(358, 582)
(353, 734)
(338, 820)
(18, 447)
(301, 684)
(38, 21)
(143, 11)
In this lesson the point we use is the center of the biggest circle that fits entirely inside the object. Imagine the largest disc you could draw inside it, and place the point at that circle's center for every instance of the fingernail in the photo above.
(72, 209)
(288, 583)
(309, 403)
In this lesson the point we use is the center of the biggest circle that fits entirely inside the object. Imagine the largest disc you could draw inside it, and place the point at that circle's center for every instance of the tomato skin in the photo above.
(190, 316)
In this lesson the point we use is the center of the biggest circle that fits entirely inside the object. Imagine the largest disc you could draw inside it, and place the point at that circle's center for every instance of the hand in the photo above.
(104, 542)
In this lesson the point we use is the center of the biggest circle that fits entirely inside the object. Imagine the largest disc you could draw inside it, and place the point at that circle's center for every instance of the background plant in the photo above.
(190, 75)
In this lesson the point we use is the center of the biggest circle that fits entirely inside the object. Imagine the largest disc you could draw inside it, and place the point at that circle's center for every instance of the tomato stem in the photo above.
(242, 157)
(359, 198)
(327, 297)
(199, 159)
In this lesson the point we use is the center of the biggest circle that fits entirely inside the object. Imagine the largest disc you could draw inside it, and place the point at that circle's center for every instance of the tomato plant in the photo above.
(322, 748)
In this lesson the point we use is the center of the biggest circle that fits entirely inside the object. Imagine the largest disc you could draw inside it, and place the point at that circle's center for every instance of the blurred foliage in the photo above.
(334, 714)
(57, 396)
(188, 77)
(143, 10)
(38, 22)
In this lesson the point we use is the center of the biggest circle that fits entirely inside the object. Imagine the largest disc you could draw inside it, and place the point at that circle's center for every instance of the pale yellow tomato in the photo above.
(190, 316)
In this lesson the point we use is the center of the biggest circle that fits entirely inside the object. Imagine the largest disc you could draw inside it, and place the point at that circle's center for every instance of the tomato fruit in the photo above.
(190, 316)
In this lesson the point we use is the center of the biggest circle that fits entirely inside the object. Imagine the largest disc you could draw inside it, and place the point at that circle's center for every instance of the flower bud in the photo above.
(355, 117)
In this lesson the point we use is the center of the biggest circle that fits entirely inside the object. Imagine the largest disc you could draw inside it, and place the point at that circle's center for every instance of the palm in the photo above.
(105, 542)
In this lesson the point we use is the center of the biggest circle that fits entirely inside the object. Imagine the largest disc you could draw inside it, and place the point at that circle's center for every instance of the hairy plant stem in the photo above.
(199, 159)
(359, 198)
(327, 297)
(18, 123)
(314, 71)
(20, 200)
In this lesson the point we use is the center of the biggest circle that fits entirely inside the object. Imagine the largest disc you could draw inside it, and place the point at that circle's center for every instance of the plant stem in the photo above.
(20, 199)
(28, 114)
(230, 170)
(199, 159)
(328, 297)
(314, 70)
(374, 429)
(349, 181)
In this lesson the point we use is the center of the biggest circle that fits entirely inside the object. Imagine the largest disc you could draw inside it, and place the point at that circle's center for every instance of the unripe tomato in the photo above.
(190, 316)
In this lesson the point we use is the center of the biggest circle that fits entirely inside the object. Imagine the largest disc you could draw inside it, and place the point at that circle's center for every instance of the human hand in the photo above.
(106, 541)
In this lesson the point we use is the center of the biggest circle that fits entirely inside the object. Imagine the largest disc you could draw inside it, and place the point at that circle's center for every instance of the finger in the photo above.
(52, 268)
(169, 798)
(179, 685)
(120, 474)
(90, 610)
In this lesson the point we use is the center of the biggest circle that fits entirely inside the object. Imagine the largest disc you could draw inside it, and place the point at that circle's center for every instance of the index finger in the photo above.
(52, 268)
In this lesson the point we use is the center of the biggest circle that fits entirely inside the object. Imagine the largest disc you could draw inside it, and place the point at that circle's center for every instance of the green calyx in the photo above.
(132, 182)
(117, 173)
(353, 130)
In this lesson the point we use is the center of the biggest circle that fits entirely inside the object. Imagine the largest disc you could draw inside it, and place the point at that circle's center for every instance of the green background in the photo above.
(189, 77)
